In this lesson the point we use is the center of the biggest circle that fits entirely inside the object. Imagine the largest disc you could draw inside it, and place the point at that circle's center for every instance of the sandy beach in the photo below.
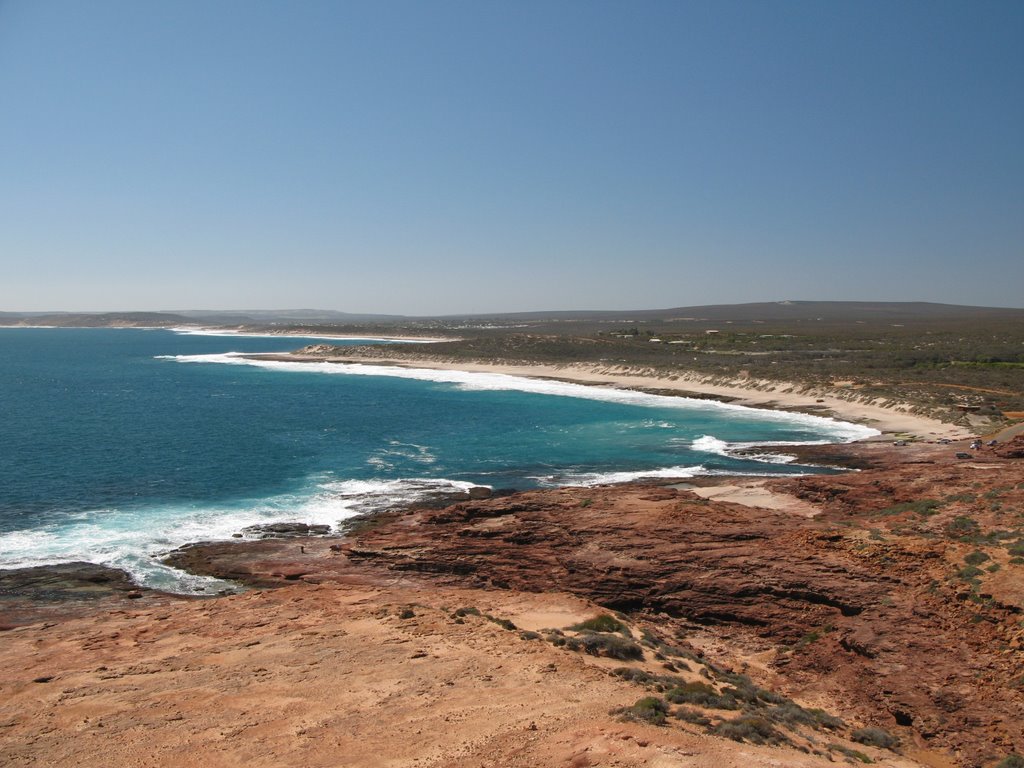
(890, 418)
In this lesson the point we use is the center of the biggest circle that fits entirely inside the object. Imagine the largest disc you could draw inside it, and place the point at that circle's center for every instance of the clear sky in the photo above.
(445, 156)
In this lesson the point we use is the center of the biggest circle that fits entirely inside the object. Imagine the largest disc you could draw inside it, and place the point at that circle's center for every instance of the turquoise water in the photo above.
(118, 445)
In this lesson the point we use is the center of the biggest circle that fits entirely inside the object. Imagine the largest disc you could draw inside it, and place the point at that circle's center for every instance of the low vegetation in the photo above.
(956, 368)
(731, 705)
(601, 644)
(851, 753)
(750, 728)
(875, 737)
(649, 709)
(602, 623)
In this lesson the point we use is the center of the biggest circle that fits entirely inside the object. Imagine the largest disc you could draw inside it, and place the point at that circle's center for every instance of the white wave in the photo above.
(421, 454)
(134, 539)
(834, 429)
(186, 331)
(743, 450)
(710, 444)
(772, 443)
(611, 478)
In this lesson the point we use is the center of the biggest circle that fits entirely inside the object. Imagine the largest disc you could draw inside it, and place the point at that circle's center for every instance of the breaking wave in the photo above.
(837, 431)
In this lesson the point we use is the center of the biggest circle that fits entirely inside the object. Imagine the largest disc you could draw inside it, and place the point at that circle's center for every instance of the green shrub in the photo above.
(634, 675)
(528, 635)
(503, 623)
(965, 497)
(597, 644)
(969, 572)
(649, 709)
(850, 753)
(825, 720)
(702, 695)
(467, 612)
(977, 557)
(789, 714)
(961, 526)
(642, 677)
(1011, 761)
(750, 728)
(1016, 549)
(691, 716)
(923, 507)
(650, 639)
(875, 737)
(601, 623)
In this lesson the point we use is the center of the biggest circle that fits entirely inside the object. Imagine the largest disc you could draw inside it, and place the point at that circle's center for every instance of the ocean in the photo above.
(118, 445)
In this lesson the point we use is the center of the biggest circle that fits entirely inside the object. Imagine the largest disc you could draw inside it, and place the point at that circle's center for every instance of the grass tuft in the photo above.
(875, 737)
(598, 644)
(750, 728)
(601, 623)
(649, 709)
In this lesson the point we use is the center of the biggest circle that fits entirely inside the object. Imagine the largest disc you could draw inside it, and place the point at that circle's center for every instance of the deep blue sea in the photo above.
(119, 445)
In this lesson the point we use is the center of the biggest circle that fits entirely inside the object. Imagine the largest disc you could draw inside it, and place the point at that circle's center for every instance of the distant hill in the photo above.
(285, 316)
(779, 312)
(94, 319)
(192, 317)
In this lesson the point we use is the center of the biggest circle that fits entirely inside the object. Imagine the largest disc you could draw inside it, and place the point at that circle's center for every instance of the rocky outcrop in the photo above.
(285, 530)
(52, 592)
(869, 601)
(1014, 449)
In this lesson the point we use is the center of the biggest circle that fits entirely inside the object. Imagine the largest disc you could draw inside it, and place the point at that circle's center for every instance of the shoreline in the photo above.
(205, 330)
(890, 421)
(247, 332)
(471, 613)
(746, 490)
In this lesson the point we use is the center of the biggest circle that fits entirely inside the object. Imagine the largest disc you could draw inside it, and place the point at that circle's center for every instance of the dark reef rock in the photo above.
(286, 530)
(47, 592)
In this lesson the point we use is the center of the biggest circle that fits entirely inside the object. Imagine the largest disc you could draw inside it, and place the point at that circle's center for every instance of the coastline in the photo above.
(248, 332)
(205, 330)
(471, 614)
(891, 420)
(452, 633)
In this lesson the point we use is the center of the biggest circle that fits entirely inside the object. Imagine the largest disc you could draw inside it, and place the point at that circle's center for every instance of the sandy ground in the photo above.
(889, 420)
(328, 676)
(751, 493)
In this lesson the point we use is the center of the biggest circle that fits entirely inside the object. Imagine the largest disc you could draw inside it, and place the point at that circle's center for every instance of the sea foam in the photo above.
(749, 450)
(134, 539)
(839, 431)
(227, 332)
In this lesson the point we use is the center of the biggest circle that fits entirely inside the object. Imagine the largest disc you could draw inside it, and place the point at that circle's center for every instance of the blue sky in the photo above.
(444, 157)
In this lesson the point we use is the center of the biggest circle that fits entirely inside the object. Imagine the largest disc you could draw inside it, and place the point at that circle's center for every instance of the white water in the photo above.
(841, 431)
(133, 540)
